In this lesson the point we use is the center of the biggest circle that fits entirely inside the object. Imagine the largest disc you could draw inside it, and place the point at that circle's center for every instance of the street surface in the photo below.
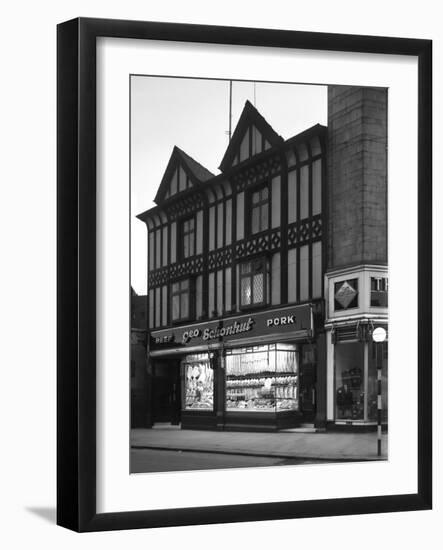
(153, 460)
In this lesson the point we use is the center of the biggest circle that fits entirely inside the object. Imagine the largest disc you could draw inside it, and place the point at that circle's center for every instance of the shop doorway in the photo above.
(166, 392)
(308, 384)
(308, 393)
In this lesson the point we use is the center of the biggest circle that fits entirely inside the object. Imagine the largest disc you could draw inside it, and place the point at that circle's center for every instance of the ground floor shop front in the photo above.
(268, 371)
(357, 375)
(258, 372)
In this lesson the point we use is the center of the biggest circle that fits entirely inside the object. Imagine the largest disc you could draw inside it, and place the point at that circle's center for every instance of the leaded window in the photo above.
(253, 283)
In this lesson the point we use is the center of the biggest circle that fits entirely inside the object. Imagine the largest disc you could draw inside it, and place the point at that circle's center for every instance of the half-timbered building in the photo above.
(243, 333)
(236, 264)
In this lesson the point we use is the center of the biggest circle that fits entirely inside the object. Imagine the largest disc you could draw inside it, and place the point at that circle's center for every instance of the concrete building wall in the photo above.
(357, 176)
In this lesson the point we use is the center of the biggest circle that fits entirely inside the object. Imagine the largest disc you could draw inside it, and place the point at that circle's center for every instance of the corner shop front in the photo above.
(251, 372)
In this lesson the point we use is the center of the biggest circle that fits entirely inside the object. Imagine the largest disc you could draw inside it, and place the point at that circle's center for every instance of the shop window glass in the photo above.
(252, 282)
(379, 292)
(181, 300)
(377, 352)
(346, 294)
(198, 381)
(349, 381)
(260, 210)
(262, 378)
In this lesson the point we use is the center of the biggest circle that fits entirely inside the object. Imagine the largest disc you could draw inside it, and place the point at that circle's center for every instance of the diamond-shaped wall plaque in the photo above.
(345, 294)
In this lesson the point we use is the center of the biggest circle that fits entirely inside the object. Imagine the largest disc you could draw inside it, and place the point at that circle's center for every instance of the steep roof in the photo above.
(250, 118)
(195, 172)
(200, 172)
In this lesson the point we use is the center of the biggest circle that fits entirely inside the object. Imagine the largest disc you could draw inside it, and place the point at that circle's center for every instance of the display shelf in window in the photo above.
(262, 378)
(198, 382)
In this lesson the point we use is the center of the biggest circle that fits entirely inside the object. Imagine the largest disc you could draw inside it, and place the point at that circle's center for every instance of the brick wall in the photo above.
(357, 176)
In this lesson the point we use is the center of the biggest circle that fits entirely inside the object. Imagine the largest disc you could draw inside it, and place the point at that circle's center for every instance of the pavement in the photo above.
(330, 446)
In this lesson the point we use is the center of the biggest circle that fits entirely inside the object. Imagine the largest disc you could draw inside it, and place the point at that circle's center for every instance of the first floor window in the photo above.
(379, 292)
(181, 300)
(253, 282)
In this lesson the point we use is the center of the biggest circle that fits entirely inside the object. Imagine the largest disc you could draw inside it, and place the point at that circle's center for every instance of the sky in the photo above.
(194, 115)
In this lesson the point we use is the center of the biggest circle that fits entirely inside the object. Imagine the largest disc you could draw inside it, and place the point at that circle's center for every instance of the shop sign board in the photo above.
(296, 320)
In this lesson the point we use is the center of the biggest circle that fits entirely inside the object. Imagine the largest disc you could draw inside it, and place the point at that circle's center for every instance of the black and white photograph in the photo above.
(221, 299)
(259, 274)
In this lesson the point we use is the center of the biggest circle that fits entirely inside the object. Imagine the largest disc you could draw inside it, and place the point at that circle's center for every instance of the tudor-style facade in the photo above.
(224, 249)
(266, 281)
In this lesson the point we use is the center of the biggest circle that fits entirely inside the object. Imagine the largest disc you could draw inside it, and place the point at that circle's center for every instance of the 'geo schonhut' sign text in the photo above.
(292, 319)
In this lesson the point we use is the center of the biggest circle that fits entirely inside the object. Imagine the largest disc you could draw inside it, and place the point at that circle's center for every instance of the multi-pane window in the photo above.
(253, 282)
(181, 300)
(259, 210)
(379, 292)
(188, 237)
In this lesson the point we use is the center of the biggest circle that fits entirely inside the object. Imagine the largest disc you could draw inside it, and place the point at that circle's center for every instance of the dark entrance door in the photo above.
(308, 391)
(166, 399)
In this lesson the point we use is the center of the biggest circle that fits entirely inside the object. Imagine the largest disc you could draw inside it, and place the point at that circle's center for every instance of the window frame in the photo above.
(250, 276)
(184, 234)
(259, 188)
(190, 291)
(384, 283)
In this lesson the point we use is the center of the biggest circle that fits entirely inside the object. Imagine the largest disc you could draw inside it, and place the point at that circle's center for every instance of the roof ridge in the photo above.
(204, 174)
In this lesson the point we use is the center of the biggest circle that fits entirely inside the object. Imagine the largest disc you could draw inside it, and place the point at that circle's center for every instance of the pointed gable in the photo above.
(181, 174)
(252, 135)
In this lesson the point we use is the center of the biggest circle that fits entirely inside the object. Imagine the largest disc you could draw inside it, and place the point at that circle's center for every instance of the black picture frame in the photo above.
(76, 265)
